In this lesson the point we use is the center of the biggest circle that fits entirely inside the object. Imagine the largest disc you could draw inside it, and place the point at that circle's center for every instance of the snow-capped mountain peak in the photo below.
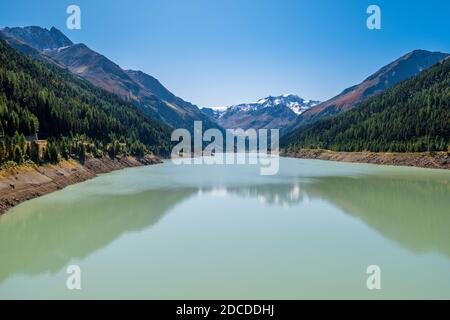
(269, 112)
(295, 103)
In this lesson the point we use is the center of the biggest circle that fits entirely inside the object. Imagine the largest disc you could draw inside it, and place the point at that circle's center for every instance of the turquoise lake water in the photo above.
(226, 232)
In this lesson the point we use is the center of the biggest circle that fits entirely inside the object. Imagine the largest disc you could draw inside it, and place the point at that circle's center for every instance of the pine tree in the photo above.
(34, 98)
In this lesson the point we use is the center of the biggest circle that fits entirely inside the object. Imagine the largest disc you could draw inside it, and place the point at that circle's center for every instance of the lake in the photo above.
(226, 232)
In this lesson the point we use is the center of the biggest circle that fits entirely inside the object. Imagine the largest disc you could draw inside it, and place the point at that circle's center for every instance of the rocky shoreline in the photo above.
(438, 160)
(22, 183)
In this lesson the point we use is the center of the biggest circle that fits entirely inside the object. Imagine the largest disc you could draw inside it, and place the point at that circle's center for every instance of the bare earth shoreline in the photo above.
(438, 160)
(19, 184)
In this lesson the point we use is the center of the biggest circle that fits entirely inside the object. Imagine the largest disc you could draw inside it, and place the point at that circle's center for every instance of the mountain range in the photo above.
(412, 116)
(268, 113)
(407, 66)
(141, 89)
(74, 118)
(290, 113)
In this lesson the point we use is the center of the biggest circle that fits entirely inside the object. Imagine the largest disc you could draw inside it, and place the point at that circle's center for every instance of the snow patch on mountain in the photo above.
(295, 103)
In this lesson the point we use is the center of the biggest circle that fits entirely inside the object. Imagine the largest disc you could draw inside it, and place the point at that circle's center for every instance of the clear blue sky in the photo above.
(223, 52)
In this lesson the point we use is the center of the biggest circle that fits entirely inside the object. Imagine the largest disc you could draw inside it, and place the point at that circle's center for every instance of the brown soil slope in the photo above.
(18, 184)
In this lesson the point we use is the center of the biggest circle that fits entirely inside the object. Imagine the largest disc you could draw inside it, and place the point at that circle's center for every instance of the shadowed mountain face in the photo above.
(26, 49)
(401, 69)
(155, 87)
(144, 91)
(97, 69)
(175, 111)
(39, 38)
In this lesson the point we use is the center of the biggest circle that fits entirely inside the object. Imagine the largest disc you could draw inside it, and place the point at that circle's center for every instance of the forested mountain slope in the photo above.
(413, 116)
(142, 90)
(404, 68)
(76, 117)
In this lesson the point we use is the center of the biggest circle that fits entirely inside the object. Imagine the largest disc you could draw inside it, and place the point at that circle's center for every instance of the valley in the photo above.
(182, 232)
(397, 116)
(224, 150)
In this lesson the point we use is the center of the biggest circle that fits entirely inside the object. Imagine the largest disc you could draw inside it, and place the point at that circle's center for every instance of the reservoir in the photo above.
(227, 232)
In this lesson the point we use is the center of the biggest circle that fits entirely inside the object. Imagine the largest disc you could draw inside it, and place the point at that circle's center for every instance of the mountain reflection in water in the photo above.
(44, 236)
